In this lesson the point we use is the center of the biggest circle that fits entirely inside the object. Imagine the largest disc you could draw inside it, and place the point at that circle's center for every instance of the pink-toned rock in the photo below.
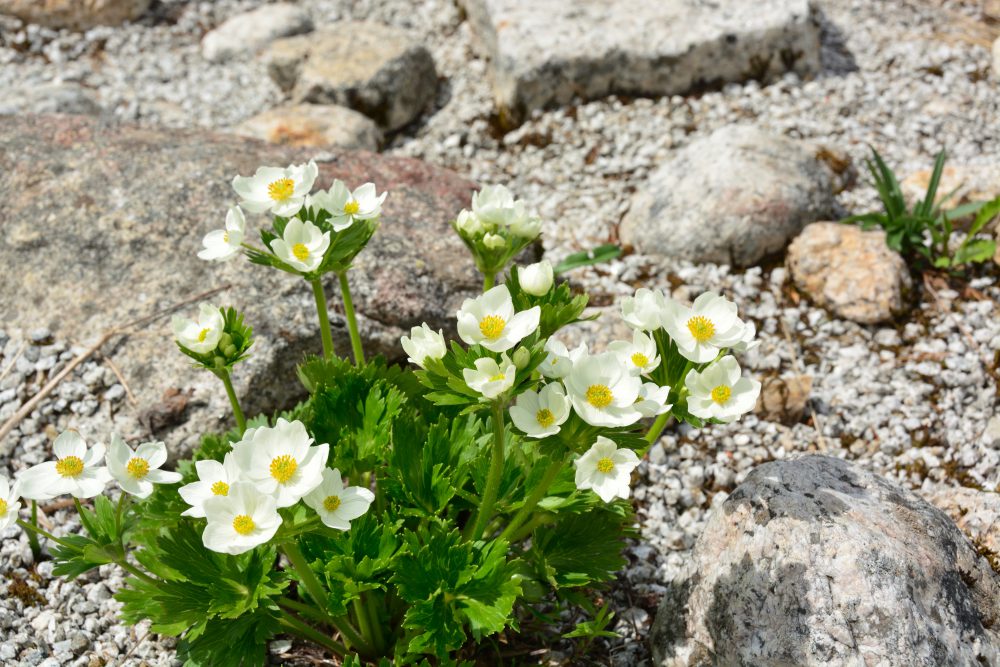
(850, 272)
(313, 125)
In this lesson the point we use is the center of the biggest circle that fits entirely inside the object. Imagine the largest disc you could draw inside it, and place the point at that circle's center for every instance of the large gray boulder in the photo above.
(817, 562)
(547, 52)
(102, 223)
(732, 197)
(250, 31)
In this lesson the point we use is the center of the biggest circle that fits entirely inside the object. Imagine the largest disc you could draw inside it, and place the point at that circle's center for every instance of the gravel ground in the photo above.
(911, 401)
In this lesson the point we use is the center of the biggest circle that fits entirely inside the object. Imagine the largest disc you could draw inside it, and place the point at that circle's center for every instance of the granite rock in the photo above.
(817, 562)
(251, 31)
(50, 98)
(732, 197)
(104, 223)
(75, 14)
(313, 125)
(381, 71)
(547, 52)
(850, 272)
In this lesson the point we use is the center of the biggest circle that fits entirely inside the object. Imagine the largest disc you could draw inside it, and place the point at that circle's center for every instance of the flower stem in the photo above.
(132, 569)
(316, 592)
(34, 531)
(324, 318)
(364, 622)
(36, 548)
(241, 421)
(657, 428)
(489, 280)
(352, 320)
(529, 528)
(486, 507)
(297, 627)
(531, 502)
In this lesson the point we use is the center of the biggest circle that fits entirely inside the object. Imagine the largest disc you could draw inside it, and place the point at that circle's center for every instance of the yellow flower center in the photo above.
(137, 467)
(640, 360)
(281, 189)
(351, 207)
(220, 488)
(69, 466)
(545, 418)
(3, 507)
(300, 251)
(243, 524)
(721, 394)
(331, 503)
(498, 377)
(225, 237)
(203, 334)
(605, 465)
(492, 326)
(599, 395)
(701, 328)
(283, 467)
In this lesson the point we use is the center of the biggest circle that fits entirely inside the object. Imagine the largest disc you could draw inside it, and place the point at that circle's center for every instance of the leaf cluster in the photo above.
(234, 345)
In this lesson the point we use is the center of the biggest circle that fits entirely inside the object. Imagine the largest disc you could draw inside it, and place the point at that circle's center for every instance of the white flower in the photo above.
(280, 462)
(640, 356)
(281, 191)
(606, 469)
(490, 378)
(241, 520)
(652, 400)
(708, 326)
(748, 341)
(345, 206)
(201, 335)
(540, 414)
(645, 310)
(337, 505)
(137, 471)
(560, 360)
(214, 479)
(493, 205)
(422, 344)
(469, 223)
(223, 244)
(490, 321)
(494, 241)
(75, 471)
(720, 391)
(523, 224)
(603, 392)
(302, 245)
(9, 502)
(536, 279)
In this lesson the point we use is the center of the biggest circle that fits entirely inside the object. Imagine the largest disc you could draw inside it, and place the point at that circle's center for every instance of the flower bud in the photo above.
(494, 241)
(469, 223)
(422, 344)
(536, 279)
(521, 358)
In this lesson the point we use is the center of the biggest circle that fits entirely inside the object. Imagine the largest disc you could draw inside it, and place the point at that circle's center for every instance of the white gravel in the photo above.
(912, 402)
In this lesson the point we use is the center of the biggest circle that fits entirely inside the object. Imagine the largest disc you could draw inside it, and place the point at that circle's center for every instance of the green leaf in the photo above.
(600, 254)
(977, 250)
(580, 549)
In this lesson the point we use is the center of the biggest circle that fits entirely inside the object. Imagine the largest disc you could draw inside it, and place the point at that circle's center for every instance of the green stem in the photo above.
(36, 548)
(324, 318)
(529, 528)
(241, 421)
(489, 279)
(536, 495)
(657, 428)
(378, 637)
(303, 609)
(132, 569)
(364, 622)
(317, 593)
(297, 627)
(352, 320)
(486, 508)
(35, 531)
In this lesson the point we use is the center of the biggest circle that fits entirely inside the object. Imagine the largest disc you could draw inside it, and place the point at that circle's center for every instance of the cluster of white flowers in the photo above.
(284, 192)
(496, 216)
(268, 469)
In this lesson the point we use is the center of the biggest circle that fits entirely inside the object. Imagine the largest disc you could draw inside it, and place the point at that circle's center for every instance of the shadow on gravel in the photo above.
(835, 58)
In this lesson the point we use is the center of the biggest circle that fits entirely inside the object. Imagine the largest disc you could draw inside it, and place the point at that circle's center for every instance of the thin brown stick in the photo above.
(817, 424)
(33, 402)
(121, 378)
(13, 361)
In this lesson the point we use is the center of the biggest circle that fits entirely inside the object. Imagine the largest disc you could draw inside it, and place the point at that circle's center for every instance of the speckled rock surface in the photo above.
(381, 71)
(253, 30)
(850, 271)
(733, 197)
(313, 125)
(104, 223)
(817, 562)
(546, 52)
(75, 14)
(49, 98)
(976, 512)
